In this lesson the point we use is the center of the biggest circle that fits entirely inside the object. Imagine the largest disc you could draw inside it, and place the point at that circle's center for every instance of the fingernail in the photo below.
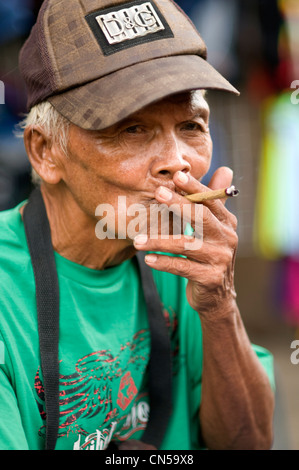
(164, 193)
(151, 259)
(140, 240)
(182, 177)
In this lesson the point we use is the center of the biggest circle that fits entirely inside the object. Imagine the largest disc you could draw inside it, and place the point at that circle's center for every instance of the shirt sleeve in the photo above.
(12, 435)
(267, 361)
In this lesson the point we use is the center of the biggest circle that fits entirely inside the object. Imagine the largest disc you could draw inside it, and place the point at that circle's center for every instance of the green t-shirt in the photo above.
(103, 353)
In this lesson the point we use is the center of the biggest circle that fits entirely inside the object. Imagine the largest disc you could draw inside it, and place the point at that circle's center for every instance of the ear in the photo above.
(44, 156)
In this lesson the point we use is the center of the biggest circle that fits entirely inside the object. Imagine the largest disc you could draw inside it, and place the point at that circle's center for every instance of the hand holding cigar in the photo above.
(213, 194)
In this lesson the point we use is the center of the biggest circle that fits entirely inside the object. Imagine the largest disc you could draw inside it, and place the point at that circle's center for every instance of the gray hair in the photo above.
(54, 124)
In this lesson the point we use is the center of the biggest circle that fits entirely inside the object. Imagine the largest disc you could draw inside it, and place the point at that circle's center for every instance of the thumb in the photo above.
(222, 178)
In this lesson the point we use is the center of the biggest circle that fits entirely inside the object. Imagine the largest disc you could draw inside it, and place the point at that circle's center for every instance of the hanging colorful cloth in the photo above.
(289, 290)
(276, 231)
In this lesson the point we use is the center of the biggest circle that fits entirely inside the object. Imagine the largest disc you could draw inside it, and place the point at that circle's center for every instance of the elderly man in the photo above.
(103, 347)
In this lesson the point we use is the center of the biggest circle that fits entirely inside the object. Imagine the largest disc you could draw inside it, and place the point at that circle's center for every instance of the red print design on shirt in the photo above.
(127, 391)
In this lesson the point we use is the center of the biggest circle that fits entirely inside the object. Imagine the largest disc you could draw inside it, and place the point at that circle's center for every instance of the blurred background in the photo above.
(255, 45)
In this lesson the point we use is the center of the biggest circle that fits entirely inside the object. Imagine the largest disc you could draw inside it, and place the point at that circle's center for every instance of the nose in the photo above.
(170, 159)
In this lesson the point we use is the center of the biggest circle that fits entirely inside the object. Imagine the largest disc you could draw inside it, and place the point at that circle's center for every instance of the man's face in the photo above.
(136, 156)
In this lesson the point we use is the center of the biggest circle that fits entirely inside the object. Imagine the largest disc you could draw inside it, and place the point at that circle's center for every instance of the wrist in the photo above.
(223, 309)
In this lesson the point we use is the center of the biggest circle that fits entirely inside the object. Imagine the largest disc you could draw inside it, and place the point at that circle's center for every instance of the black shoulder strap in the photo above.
(160, 370)
(47, 299)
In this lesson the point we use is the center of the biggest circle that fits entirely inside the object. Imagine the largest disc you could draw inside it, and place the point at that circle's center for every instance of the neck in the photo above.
(73, 233)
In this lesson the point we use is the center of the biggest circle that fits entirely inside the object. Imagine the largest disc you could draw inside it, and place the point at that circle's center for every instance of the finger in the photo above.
(175, 265)
(210, 209)
(190, 247)
(183, 267)
(188, 183)
(222, 178)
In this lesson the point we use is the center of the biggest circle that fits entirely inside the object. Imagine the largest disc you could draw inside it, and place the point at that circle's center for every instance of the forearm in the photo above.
(237, 400)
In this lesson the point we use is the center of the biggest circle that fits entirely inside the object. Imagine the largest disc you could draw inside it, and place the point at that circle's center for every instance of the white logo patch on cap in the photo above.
(129, 24)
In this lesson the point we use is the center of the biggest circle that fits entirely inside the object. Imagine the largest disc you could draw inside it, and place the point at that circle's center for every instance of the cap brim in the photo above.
(108, 100)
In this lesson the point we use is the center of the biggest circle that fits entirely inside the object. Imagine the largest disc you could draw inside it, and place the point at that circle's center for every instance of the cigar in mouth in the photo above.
(210, 195)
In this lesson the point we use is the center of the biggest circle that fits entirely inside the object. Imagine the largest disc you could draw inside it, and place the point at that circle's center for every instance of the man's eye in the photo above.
(133, 129)
(192, 126)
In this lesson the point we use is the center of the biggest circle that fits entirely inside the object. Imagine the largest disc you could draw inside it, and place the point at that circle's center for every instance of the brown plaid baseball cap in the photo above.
(98, 61)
